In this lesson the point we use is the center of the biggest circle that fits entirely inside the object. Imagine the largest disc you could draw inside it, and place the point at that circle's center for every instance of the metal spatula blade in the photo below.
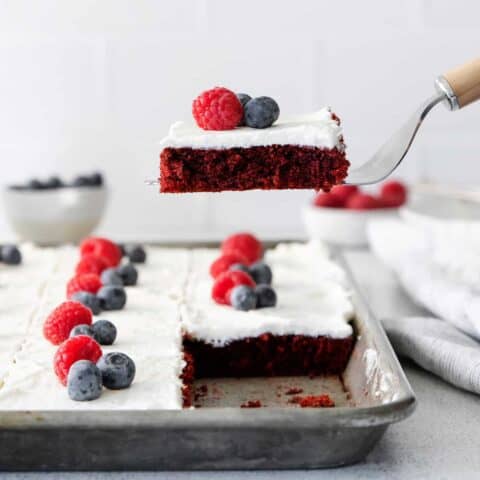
(389, 156)
(456, 89)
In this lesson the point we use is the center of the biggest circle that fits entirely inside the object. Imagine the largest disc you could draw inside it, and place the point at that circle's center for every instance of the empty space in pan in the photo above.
(259, 392)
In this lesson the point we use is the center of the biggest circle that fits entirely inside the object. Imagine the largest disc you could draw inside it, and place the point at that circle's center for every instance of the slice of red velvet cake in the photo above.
(297, 153)
(306, 331)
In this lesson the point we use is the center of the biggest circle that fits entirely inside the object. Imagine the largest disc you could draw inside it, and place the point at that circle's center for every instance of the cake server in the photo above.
(456, 89)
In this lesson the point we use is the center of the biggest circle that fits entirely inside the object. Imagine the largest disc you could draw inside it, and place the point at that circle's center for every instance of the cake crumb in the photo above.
(294, 391)
(313, 401)
(251, 404)
(200, 392)
(216, 391)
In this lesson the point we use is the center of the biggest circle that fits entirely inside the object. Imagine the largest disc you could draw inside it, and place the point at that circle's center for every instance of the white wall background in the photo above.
(88, 85)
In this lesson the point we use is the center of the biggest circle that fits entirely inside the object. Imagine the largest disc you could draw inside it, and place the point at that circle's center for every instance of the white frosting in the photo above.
(311, 300)
(148, 331)
(173, 294)
(21, 288)
(317, 129)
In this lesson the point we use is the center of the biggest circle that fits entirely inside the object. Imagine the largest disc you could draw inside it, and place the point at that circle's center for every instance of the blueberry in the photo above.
(261, 273)
(84, 381)
(81, 181)
(266, 296)
(128, 273)
(53, 182)
(244, 98)
(112, 297)
(243, 298)
(136, 253)
(261, 112)
(10, 254)
(96, 179)
(82, 329)
(90, 300)
(239, 267)
(117, 369)
(35, 184)
(111, 277)
(104, 332)
(18, 187)
(122, 248)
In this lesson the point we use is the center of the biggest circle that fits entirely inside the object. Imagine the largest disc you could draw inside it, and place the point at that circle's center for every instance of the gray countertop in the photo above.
(441, 440)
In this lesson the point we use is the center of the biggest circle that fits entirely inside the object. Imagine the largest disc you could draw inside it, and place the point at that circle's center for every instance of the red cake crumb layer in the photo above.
(270, 355)
(187, 377)
(267, 168)
(294, 391)
(251, 404)
(313, 401)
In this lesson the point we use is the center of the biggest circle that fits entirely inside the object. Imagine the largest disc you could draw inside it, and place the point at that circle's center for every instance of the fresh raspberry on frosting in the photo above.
(363, 201)
(244, 243)
(107, 250)
(224, 262)
(393, 194)
(228, 280)
(88, 282)
(217, 109)
(70, 351)
(59, 323)
(328, 200)
(91, 264)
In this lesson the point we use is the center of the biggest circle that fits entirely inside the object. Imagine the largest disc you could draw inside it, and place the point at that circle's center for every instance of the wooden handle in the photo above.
(465, 82)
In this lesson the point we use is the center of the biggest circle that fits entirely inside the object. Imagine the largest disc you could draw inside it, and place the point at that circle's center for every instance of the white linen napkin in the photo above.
(447, 345)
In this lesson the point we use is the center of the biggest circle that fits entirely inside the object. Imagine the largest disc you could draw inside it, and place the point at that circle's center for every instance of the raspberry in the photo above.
(101, 247)
(91, 264)
(88, 282)
(228, 280)
(328, 200)
(70, 351)
(244, 243)
(217, 109)
(363, 201)
(393, 194)
(344, 192)
(224, 262)
(59, 323)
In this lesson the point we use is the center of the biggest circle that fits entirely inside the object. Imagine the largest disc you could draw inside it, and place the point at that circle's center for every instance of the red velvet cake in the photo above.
(172, 327)
(303, 152)
(307, 332)
(270, 355)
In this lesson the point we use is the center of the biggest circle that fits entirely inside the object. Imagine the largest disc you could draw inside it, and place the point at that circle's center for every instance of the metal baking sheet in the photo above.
(372, 394)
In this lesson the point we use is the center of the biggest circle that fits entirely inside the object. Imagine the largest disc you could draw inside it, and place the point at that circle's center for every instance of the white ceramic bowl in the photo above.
(52, 217)
(341, 226)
